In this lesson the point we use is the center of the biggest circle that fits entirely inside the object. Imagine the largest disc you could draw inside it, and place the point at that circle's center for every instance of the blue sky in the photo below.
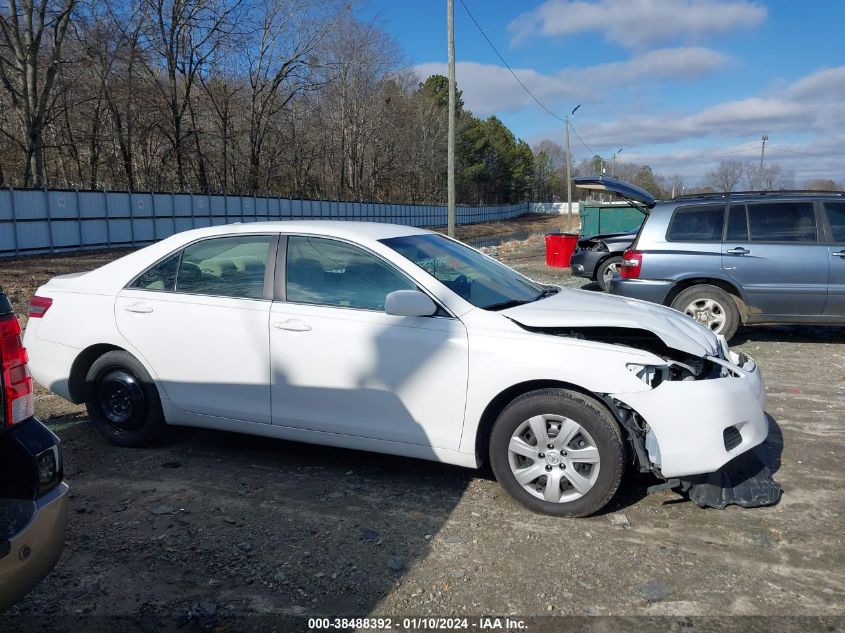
(679, 84)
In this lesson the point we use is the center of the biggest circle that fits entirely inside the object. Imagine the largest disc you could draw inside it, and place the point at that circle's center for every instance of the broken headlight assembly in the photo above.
(674, 370)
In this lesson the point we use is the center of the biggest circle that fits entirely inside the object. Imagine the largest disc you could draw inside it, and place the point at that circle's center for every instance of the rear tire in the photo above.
(122, 401)
(606, 270)
(711, 306)
(558, 452)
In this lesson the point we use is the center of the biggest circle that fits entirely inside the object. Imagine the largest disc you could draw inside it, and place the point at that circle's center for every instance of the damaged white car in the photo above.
(396, 340)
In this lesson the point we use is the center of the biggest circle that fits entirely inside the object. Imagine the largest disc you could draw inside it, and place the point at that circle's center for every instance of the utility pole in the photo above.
(450, 159)
(569, 163)
(762, 156)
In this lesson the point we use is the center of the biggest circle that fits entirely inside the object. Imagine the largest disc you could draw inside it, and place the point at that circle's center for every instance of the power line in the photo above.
(578, 136)
(515, 76)
(795, 151)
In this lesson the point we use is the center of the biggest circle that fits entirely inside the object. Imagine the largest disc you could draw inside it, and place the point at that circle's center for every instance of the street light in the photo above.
(569, 162)
(762, 155)
(613, 165)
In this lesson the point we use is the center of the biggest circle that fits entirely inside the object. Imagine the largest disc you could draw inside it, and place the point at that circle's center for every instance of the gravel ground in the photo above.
(210, 527)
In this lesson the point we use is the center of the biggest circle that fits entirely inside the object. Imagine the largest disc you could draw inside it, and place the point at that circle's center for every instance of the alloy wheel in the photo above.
(708, 312)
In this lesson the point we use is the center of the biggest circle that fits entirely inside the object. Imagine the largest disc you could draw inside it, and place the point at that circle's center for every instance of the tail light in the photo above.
(18, 403)
(38, 306)
(632, 263)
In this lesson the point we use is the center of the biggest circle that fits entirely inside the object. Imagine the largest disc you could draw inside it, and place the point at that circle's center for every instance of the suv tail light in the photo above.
(632, 263)
(17, 399)
(38, 306)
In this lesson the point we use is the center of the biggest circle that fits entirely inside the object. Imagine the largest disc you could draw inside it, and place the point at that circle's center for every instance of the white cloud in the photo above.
(814, 104)
(488, 88)
(811, 109)
(636, 23)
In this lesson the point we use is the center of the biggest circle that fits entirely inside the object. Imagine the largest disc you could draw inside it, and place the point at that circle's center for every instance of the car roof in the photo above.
(757, 196)
(332, 228)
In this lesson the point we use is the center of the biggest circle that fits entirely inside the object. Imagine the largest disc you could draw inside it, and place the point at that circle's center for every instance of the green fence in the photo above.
(609, 218)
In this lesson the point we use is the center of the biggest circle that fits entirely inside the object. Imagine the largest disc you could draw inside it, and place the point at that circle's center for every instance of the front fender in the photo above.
(500, 360)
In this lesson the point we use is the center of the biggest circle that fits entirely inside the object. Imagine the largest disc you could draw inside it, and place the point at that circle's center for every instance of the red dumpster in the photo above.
(559, 249)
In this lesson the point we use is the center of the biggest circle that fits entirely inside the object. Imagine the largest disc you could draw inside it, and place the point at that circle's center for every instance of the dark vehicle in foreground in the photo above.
(598, 257)
(728, 259)
(33, 497)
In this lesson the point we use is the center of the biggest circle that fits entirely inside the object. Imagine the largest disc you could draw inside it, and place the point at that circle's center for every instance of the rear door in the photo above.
(773, 251)
(200, 320)
(835, 212)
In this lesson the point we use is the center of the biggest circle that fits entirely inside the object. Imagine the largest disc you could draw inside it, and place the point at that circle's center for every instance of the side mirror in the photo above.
(409, 303)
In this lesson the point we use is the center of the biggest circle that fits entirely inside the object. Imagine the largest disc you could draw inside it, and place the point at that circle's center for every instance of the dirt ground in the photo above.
(218, 531)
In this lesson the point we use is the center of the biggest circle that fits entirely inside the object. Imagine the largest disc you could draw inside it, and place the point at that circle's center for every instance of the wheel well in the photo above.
(498, 404)
(80, 367)
(719, 283)
(601, 262)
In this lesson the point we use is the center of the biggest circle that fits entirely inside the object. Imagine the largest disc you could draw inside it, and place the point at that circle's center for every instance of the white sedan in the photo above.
(396, 340)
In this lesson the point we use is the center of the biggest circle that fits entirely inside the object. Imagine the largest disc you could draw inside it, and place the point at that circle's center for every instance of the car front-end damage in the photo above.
(701, 413)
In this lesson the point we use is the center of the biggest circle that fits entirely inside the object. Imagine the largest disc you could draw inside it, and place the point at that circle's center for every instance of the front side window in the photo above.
(332, 273)
(697, 224)
(836, 218)
(225, 267)
(782, 222)
(482, 281)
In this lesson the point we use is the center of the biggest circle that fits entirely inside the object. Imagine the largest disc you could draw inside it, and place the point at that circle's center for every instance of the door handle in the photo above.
(839, 254)
(139, 308)
(292, 325)
(738, 251)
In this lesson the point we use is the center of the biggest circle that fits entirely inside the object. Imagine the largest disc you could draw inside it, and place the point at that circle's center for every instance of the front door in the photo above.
(772, 251)
(200, 320)
(342, 365)
(836, 252)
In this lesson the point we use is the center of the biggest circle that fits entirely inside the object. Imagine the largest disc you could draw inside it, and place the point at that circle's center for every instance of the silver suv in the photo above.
(738, 258)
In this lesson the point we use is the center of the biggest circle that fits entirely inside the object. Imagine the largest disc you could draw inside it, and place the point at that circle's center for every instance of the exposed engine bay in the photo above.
(680, 365)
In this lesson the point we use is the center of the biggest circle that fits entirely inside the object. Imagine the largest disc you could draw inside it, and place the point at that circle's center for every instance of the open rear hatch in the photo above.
(625, 190)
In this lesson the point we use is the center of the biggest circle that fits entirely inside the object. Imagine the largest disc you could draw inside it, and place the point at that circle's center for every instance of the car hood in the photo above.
(582, 308)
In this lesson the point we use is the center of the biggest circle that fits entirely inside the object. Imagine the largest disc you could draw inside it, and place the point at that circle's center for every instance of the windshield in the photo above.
(482, 281)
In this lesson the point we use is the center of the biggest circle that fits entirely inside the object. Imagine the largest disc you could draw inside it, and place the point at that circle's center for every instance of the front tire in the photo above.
(558, 452)
(711, 306)
(122, 401)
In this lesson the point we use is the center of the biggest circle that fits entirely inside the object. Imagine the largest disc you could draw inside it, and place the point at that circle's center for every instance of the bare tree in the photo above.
(725, 176)
(33, 33)
(184, 34)
(772, 177)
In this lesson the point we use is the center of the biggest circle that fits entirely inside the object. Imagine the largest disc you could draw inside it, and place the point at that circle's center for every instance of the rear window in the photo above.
(697, 224)
(836, 218)
(782, 222)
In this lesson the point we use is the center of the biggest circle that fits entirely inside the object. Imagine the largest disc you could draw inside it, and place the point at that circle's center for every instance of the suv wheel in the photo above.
(122, 400)
(711, 306)
(606, 270)
(558, 452)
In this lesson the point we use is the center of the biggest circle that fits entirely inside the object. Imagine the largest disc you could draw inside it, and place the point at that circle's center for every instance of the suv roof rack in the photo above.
(748, 194)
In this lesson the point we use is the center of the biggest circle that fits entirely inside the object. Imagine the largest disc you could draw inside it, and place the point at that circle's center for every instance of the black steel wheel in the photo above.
(122, 400)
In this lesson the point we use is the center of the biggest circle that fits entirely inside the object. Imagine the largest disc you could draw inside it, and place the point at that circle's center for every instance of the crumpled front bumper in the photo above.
(693, 425)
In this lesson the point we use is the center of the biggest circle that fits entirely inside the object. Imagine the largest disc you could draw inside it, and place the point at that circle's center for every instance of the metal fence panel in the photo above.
(38, 221)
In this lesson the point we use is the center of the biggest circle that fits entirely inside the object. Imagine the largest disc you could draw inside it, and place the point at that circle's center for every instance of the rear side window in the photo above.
(697, 224)
(782, 222)
(161, 276)
(836, 218)
(225, 267)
